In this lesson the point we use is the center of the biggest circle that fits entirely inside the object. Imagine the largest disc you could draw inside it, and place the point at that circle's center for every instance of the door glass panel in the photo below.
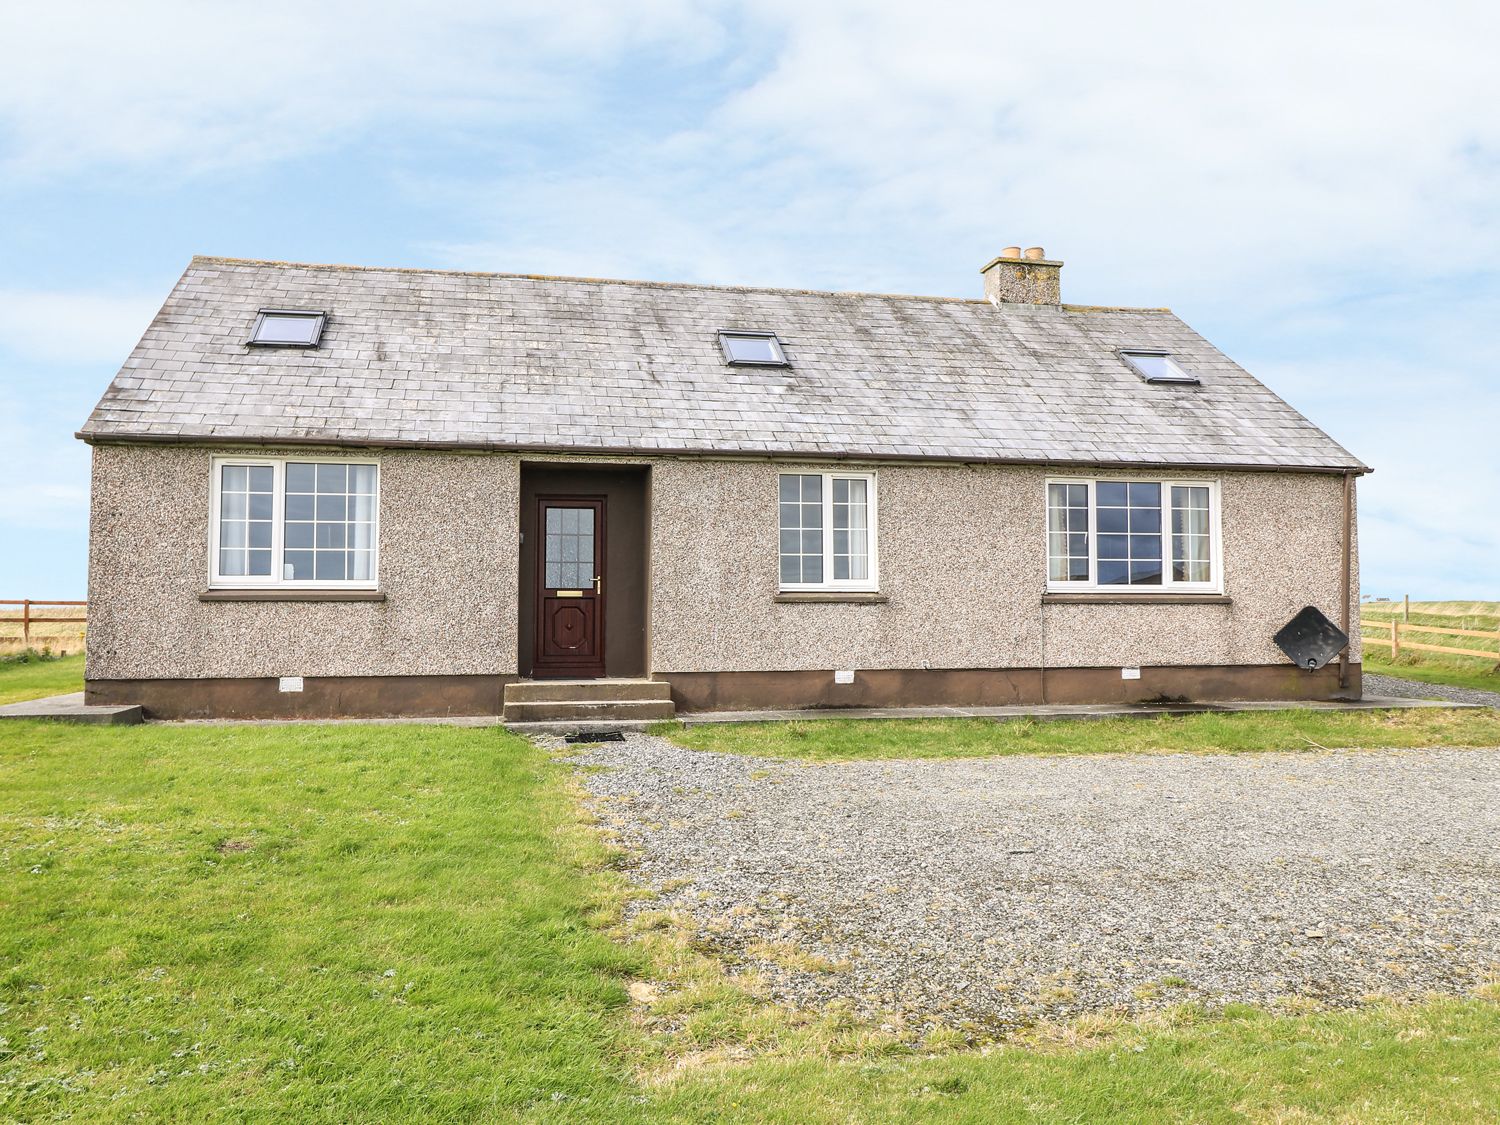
(569, 562)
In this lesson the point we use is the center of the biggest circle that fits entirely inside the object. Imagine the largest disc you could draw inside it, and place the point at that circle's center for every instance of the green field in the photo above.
(56, 636)
(23, 678)
(1437, 668)
(832, 739)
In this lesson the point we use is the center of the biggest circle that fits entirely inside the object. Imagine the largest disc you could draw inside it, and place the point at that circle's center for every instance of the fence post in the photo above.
(1395, 639)
(26, 621)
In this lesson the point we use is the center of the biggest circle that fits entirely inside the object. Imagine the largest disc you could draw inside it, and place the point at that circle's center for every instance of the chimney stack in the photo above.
(1023, 277)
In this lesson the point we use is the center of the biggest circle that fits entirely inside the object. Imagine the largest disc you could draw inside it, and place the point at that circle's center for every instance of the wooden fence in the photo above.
(26, 620)
(1392, 633)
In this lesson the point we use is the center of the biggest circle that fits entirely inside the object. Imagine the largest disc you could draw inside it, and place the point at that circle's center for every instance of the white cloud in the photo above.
(180, 87)
(72, 327)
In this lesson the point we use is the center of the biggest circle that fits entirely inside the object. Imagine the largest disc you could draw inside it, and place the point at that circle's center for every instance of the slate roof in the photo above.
(497, 361)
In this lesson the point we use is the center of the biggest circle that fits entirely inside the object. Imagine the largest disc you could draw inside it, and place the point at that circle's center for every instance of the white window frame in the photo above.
(1167, 585)
(863, 585)
(217, 581)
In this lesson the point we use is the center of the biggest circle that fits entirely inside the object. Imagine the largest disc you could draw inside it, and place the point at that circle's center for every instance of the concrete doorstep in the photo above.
(72, 709)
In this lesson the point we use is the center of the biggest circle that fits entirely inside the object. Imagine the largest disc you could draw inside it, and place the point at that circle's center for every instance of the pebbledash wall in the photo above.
(960, 618)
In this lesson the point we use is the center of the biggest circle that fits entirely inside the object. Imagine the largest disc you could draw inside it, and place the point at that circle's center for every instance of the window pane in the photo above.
(1068, 540)
(850, 529)
(262, 478)
(232, 562)
(299, 564)
(232, 533)
(1113, 521)
(235, 478)
(330, 507)
(362, 479)
(299, 507)
(1113, 573)
(812, 568)
(791, 489)
(333, 478)
(360, 566)
(812, 490)
(330, 535)
(299, 535)
(260, 563)
(300, 478)
(1192, 544)
(234, 506)
(274, 329)
(791, 569)
(260, 505)
(329, 566)
(361, 536)
(1145, 573)
(752, 349)
(260, 534)
(1129, 522)
(1111, 494)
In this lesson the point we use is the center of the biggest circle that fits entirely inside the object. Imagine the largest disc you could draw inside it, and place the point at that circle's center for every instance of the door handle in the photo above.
(598, 583)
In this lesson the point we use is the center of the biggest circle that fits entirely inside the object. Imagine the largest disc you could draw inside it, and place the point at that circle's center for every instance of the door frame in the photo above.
(540, 667)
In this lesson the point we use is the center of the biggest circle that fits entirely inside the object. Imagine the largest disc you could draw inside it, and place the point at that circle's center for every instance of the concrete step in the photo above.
(72, 709)
(587, 710)
(599, 691)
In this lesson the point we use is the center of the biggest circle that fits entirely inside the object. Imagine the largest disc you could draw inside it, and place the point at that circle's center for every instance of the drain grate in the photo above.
(596, 736)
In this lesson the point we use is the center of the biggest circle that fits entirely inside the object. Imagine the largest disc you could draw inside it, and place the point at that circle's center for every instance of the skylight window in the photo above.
(760, 349)
(288, 328)
(1156, 367)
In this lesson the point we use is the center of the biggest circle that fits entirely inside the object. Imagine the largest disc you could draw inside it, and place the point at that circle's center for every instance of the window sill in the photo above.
(1093, 597)
(857, 597)
(292, 596)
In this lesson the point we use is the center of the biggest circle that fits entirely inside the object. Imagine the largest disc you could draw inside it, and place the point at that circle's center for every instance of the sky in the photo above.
(1314, 188)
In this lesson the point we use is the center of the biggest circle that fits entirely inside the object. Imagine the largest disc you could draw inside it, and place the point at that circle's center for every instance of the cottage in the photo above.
(345, 491)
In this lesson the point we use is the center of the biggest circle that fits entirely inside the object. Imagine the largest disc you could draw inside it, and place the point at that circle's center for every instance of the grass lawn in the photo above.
(378, 923)
(1431, 667)
(1456, 671)
(35, 679)
(832, 740)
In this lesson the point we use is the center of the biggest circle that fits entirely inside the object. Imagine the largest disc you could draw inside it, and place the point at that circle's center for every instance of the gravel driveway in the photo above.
(1376, 684)
(998, 890)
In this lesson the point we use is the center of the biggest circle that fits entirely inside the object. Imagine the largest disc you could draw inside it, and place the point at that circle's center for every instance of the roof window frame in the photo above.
(320, 316)
(1182, 378)
(726, 334)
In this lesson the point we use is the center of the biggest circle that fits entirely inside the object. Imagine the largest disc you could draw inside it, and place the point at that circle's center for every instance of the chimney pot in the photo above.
(1020, 277)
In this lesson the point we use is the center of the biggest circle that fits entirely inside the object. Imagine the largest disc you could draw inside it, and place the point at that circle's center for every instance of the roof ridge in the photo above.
(218, 259)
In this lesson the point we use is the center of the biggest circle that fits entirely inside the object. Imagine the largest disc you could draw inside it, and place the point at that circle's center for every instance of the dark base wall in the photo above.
(330, 697)
(441, 696)
(980, 687)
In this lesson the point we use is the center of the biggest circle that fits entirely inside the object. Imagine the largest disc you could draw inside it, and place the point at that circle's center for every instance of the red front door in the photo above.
(569, 587)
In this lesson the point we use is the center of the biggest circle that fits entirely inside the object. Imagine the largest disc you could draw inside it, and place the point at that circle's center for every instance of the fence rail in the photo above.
(1394, 630)
(26, 620)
